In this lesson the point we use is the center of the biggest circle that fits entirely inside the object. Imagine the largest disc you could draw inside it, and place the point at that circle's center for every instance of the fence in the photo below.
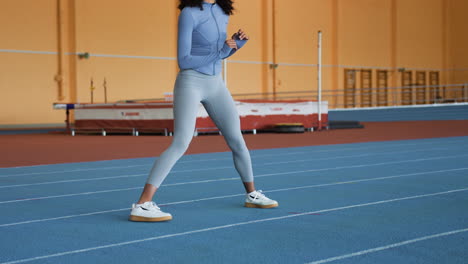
(373, 97)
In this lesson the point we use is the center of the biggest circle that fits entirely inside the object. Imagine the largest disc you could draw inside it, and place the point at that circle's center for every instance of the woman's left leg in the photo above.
(222, 110)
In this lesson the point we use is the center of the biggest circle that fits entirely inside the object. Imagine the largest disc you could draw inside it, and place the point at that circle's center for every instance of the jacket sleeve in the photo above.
(184, 45)
(240, 44)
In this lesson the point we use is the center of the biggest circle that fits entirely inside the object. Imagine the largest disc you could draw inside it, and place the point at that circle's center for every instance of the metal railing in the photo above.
(353, 98)
(376, 97)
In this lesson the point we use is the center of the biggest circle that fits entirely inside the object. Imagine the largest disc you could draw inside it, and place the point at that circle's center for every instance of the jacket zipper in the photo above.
(217, 42)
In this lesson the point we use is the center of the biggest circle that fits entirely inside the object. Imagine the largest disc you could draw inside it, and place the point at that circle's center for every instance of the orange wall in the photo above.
(420, 33)
(297, 25)
(458, 32)
(364, 38)
(120, 27)
(27, 87)
(254, 17)
(429, 34)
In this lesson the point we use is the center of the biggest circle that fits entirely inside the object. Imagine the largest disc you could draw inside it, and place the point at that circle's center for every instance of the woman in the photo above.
(201, 47)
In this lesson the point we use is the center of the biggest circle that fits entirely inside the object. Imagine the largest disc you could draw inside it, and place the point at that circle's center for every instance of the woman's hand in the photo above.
(240, 35)
(231, 43)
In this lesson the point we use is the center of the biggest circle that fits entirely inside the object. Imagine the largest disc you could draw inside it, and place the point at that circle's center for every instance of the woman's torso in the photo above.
(209, 34)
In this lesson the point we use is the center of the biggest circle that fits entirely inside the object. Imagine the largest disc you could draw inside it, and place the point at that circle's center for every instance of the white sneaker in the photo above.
(257, 199)
(148, 212)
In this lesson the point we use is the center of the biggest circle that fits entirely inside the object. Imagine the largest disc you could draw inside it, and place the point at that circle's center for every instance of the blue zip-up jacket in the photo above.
(201, 39)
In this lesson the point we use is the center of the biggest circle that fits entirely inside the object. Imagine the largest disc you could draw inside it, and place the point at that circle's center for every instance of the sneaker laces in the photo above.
(151, 205)
(258, 194)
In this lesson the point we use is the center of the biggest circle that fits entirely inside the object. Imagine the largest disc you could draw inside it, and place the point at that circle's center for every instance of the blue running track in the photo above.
(385, 202)
(402, 113)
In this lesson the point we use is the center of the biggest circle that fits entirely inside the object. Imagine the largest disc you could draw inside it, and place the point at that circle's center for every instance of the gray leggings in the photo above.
(191, 88)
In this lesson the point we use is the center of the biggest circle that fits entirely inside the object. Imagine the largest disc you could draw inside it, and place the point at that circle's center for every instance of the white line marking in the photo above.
(67, 171)
(63, 217)
(133, 166)
(315, 159)
(29, 51)
(399, 107)
(228, 226)
(366, 180)
(115, 210)
(214, 168)
(249, 62)
(149, 164)
(175, 171)
(234, 195)
(372, 250)
(231, 61)
(131, 57)
(75, 180)
(357, 166)
(229, 158)
(68, 195)
(228, 179)
(352, 156)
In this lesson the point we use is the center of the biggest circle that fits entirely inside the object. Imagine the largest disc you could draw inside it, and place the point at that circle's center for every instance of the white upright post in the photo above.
(225, 71)
(319, 80)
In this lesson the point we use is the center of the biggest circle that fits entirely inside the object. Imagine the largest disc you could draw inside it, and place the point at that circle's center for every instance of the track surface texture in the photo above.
(386, 202)
(36, 149)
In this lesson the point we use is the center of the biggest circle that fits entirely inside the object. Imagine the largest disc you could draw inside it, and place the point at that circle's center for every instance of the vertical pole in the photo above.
(319, 80)
(334, 56)
(394, 50)
(105, 91)
(275, 63)
(91, 88)
(59, 75)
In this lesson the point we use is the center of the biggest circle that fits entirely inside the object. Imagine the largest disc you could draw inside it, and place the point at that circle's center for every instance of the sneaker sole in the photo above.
(251, 205)
(135, 218)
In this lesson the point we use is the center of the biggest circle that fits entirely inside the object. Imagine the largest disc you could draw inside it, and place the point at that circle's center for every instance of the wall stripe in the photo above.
(131, 57)
(235, 61)
(28, 51)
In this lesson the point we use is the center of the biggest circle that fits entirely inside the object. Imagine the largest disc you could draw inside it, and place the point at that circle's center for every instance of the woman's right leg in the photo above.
(186, 104)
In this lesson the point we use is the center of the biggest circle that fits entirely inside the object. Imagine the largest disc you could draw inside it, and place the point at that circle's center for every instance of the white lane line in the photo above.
(75, 180)
(29, 51)
(253, 156)
(372, 250)
(359, 166)
(116, 210)
(64, 253)
(77, 170)
(108, 178)
(148, 164)
(361, 155)
(141, 165)
(230, 179)
(367, 180)
(68, 195)
(175, 171)
(213, 168)
(67, 171)
(234, 195)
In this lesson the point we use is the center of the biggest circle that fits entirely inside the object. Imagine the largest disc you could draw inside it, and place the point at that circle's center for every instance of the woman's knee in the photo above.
(180, 146)
(237, 144)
